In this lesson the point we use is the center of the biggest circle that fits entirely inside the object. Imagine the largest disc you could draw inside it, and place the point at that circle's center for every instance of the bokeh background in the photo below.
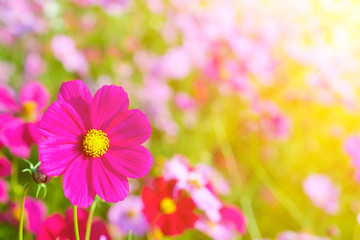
(265, 92)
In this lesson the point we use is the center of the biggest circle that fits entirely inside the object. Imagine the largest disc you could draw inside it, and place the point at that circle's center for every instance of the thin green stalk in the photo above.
(76, 227)
(21, 226)
(89, 221)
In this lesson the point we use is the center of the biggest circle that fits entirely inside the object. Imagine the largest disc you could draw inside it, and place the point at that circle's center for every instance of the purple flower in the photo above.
(127, 215)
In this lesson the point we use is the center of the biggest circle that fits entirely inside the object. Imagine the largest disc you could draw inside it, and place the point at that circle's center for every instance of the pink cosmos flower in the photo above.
(322, 192)
(19, 117)
(352, 147)
(128, 215)
(58, 227)
(94, 142)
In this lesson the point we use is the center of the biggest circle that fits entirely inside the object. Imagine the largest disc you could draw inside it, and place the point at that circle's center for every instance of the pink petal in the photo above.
(34, 91)
(108, 102)
(36, 211)
(56, 153)
(232, 214)
(77, 182)
(5, 167)
(7, 100)
(4, 196)
(73, 91)
(15, 138)
(52, 228)
(61, 119)
(77, 94)
(32, 132)
(134, 162)
(128, 128)
(108, 184)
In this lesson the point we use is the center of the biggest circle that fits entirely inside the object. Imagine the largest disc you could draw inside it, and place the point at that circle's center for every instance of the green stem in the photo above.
(21, 225)
(89, 221)
(76, 227)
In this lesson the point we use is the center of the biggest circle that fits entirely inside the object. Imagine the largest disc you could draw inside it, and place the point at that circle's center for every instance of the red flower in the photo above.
(170, 210)
(56, 227)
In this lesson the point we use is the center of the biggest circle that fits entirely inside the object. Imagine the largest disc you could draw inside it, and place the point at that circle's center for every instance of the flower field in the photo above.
(179, 119)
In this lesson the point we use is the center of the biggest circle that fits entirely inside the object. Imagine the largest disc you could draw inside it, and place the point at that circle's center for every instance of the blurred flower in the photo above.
(65, 51)
(195, 183)
(322, 192)
(273, 123)
(5, 167)
(56, 226)
(20, 117)
(352, 147)
(175, 64)
(212, 176)
(34, 65)
(290, 235)
(94, 143)
(167, 208)
(128, 216)
(4, 188)
(21, 16)
(231, 224)
(6, 70)
(35, 212)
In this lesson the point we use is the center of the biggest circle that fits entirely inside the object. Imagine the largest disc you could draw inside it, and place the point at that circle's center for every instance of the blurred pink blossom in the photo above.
(290, 235)
(4, 188)
(20, 116)
(36, 211)
(21, 16)
(65, 51)
(34, 65)
(322, 192)
(273, 123)
(195, 183)
(231, 223)
(352, 147)
(5, 167)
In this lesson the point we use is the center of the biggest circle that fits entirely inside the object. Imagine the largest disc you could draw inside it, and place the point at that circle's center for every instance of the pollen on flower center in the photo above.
(167, 206)
(28, 111)
(95, 143)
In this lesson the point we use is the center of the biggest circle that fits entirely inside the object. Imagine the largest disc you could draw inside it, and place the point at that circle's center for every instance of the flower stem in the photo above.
(21, 225)
(76, 227)
(89, 221)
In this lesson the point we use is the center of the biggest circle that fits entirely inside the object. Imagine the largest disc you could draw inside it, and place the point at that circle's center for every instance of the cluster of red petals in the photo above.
(176, 222)
(58, 227)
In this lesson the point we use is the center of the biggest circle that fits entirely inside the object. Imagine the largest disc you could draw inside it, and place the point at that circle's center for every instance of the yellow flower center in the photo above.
(167, 206)
(95, 143)
(28, 111)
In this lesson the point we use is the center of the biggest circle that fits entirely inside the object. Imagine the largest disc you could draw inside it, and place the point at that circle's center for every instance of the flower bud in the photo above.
(39, 176)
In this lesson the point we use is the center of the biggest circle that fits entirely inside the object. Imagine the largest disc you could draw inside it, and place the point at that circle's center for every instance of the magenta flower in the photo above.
(58, 227)
(19, 117)
(94, 143)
